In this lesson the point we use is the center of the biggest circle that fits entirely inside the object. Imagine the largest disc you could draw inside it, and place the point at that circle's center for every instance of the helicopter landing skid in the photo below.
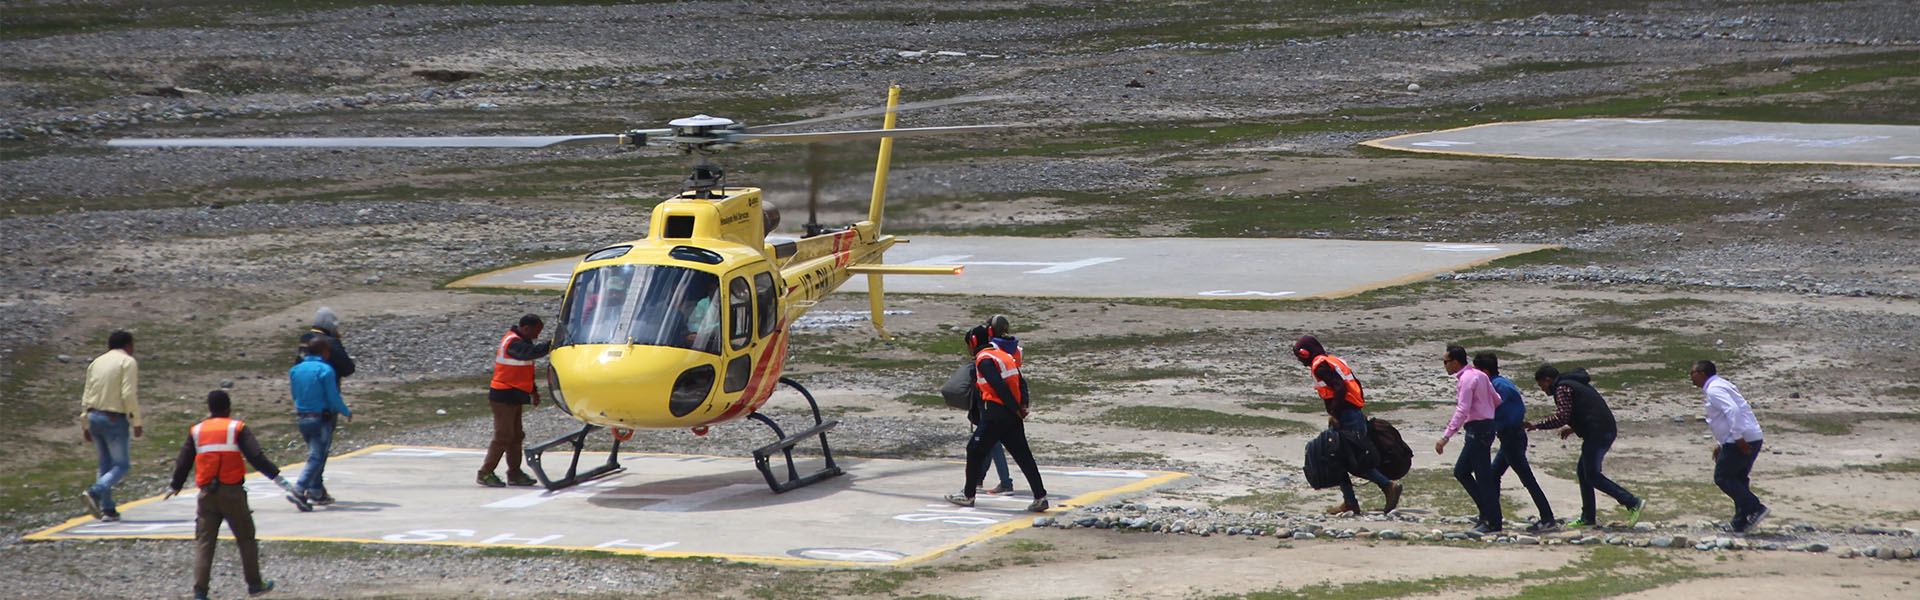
(762, 456)
(574, 477)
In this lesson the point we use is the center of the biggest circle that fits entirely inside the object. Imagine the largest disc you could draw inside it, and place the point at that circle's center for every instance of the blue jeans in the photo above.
(113, 440)
(1354, 421)
(1592, 451)
(319, 435)
(1474, 469)
(1513, 453)
(999, 457)
(1731, 472)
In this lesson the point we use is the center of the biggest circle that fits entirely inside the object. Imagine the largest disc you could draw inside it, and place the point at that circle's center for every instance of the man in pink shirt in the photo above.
(1473, 412)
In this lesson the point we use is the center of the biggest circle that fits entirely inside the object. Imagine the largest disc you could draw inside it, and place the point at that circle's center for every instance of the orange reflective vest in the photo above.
(216, 452)
(1346, 375)
(510, 372)
(1009, 372)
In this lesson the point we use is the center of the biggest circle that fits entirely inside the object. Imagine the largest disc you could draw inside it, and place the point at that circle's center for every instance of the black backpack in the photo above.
(1326, 464)
(1396, 458)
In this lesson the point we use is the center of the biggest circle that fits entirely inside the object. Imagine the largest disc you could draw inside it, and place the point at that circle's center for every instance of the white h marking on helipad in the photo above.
(1050, 267)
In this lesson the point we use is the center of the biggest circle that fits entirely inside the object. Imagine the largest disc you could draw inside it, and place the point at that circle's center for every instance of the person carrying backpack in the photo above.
(1343, 397)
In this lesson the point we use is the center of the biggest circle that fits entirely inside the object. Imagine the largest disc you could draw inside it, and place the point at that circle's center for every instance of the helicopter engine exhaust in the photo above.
(770, 215)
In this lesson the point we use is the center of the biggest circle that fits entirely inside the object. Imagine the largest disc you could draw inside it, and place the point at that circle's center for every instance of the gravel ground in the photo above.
(222, 250)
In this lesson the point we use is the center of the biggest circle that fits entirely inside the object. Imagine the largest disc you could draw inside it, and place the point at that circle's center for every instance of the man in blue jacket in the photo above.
(316, 405)
(1508, 421)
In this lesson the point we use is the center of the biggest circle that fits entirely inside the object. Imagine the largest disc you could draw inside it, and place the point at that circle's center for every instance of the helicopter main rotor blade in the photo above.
(867, 112)
(498, 141)
(862, 134)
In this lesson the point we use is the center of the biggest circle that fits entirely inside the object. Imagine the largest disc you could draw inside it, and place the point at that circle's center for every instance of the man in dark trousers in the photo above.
(509, 394)
(1341, 394)
(1508, 421)
(1475, 402)
(1738, 438)
(1579, 409)
(217, 452)
(1003, 411)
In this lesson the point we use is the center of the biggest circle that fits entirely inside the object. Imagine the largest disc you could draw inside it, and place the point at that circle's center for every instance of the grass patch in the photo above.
(1197, 420)
(1905, 466)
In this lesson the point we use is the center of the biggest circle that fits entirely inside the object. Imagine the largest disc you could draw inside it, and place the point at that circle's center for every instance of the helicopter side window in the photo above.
(739, 313)
(763, 296)
(652, 305)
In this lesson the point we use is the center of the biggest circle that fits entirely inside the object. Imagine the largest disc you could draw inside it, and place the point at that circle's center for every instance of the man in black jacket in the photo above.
(1579, 409)
(1002, 402)
(326, 324)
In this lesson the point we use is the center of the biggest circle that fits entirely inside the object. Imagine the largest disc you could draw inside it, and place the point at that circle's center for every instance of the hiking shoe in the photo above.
(520, 479)
(300, 503)
(93, 504)
(1633, 514)
(960, 499)
(1343, 508)
(490, 480)
(264, 588)
(1757, 517)
(1544, 526)
(1393, 497)
(1038, 505)
(1004, 487)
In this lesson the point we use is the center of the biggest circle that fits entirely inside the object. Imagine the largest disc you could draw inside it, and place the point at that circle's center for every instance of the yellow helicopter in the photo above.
(687, 327)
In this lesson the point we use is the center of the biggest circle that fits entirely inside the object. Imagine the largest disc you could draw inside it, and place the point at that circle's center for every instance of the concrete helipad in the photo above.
(669, 505)
(1677, 140)
(1134, 267)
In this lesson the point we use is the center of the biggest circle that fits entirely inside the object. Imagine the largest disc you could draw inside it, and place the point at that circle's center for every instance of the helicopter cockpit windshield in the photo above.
(654, 305)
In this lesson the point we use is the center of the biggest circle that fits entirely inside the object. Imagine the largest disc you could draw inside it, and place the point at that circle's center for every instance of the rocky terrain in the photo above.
(1132, 119)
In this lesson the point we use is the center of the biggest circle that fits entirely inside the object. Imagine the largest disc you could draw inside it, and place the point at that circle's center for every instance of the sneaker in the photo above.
(199, 596)
(1580, 524)
(490, 480)
(1633, 514)
(1004, 487)
(93, 504)
(1343, 508)
(960, 499)
(521, 480)
(319, 500)
(110, 516)
(300, 503)
(1038, 505)
(264, 588)
(1483, 529)
(1393, 497)
(1544, 526)
(1757, 518)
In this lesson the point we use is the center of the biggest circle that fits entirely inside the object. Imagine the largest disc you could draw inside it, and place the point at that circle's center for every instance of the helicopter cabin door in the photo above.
(752, 316)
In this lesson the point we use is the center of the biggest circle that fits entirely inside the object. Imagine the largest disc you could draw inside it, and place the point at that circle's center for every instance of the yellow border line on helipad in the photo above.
(996, 530)
(1381, 144)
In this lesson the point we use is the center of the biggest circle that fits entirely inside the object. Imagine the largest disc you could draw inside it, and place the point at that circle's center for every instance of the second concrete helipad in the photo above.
(881, 512)
(1134, 267)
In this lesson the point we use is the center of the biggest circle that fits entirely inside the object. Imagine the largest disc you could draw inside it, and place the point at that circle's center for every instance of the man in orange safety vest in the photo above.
(217, 452)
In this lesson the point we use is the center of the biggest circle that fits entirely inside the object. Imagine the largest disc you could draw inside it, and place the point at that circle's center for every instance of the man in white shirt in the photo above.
(1738, 434)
